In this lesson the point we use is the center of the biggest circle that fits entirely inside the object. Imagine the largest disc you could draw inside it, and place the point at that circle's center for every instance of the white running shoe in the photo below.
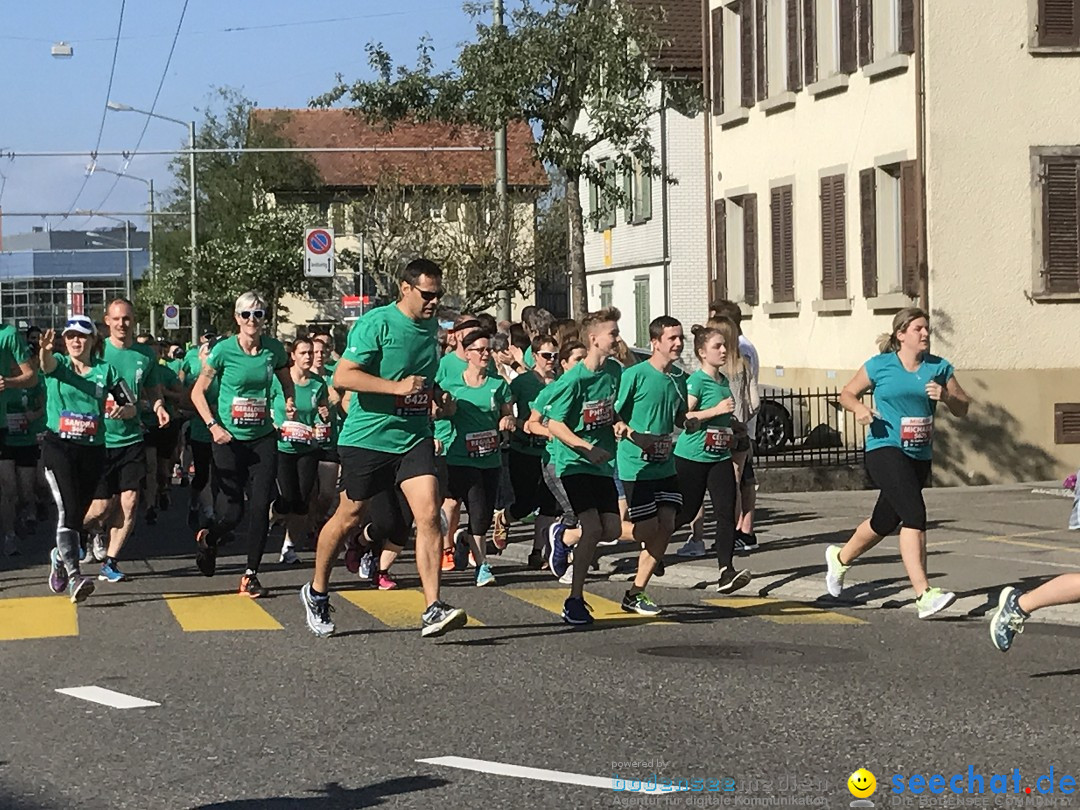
(288, 554)
(835, 571)
(99, 549)
(933, 601)
(692, 548)
(367, 564)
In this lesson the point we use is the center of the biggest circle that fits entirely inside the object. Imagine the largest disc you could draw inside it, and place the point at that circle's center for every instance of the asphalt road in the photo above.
(772, 700)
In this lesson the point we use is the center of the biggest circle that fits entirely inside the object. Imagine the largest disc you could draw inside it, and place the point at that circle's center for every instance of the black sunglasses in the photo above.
(248, 314)
(429, 295)
(549, 356)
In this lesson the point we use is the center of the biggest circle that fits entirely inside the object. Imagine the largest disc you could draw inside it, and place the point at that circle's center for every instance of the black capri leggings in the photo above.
(901, 479)
(73, 471)
(530, 489)
(235, 465)
(477, 489)
(390, 518)
(296, 476)
(718, 477)
(203, 457)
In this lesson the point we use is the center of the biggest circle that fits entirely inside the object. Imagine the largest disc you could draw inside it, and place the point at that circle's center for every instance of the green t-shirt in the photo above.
(168, 380)
(528, 359)
(307, 432)
(245, 385)
(525, 388)
(585, 403)
(389, 344)
(138, 367)
(649, 401)
(75, 405)
(475, 441)
(21, 402)
(175, 366)
(14, 351)
(713, 440)
(190, 366)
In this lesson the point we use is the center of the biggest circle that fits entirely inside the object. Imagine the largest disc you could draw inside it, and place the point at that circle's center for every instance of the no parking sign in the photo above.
(172, 316)
(319, 252)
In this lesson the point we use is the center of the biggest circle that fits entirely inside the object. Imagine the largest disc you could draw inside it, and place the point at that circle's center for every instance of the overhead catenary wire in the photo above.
(12, 154)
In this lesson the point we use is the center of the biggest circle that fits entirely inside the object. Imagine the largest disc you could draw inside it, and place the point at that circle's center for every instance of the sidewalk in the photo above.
(979, 539)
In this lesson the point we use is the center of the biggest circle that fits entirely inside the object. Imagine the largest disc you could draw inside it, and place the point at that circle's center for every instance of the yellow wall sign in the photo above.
(607, 248)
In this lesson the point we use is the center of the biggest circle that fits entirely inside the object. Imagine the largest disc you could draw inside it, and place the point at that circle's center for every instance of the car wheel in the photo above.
(774, 428)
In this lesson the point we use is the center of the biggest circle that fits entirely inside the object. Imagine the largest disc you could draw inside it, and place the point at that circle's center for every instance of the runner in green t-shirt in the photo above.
(161, 440)
(201, 506)
(19, 457)
(390, 361)
(16, 370)
(245, 442)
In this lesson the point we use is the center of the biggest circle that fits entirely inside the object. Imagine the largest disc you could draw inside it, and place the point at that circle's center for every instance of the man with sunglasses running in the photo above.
(390, 360)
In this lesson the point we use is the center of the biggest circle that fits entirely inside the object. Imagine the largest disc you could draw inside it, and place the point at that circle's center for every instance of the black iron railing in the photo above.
(798, 427)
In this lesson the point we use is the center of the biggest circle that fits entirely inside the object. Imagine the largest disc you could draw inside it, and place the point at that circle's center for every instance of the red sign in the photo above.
(78, 304)
(319, 242)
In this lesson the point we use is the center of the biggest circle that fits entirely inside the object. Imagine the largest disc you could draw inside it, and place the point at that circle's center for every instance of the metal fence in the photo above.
(799, 427)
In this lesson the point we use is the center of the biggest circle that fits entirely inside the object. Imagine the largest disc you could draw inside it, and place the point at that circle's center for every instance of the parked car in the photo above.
(783, 420)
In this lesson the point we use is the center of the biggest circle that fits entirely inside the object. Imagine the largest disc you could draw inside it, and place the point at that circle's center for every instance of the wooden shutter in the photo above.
(866, 32)
(810, 68)
(794, 47)
(849, 56)
(910, 213)
(833, 238)
(746, 44)
(907, 26)
(606, 195)
(750, 250)
(1067, 423)
(783, 245)
(594, 206)
(761, 43)
(631, 206)
(1061, 224)
(868, 221)
(643, 201)
(1059, 22)
(717, 61)
(719, 286)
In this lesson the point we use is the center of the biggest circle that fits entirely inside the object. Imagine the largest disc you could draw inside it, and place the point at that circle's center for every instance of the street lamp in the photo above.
(128, 281)
(118, 107)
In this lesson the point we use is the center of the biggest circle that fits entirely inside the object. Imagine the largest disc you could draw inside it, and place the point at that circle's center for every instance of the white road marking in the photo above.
(543, 775)
(107, 697)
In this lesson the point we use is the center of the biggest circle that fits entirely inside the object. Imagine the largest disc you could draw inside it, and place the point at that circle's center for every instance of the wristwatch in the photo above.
(212, 424)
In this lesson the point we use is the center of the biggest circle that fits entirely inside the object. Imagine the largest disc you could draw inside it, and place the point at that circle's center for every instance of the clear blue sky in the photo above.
(288, 53)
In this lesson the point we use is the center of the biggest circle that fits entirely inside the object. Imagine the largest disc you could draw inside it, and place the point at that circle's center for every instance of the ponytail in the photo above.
(888, 342)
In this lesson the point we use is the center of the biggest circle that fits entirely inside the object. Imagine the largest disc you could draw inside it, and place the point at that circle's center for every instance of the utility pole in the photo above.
(153, 306)
(194, 239)
(129, 283)
(502, 310)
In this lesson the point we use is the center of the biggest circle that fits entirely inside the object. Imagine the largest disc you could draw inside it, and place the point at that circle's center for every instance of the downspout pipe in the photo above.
(706, 83)
(664, 197)
(920, 150)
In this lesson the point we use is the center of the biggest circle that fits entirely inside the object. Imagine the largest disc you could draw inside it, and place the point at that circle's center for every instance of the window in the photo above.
(642, 311)
(783, 244)
(810, 41)
(1059, 178)
(600, 204)
(637, 186)
(737, 45)
(717, 59)
(783, 50)
(1058, 24)
(606, 288)
(337, 217)
(833, 241)
(889, 219)
(718, 285)
(741, 243)
(837, 36)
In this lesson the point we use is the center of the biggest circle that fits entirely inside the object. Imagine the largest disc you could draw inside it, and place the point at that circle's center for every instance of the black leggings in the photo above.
(73, 471)
(530, 490)
(901, 479)
(390, 518)
(477, 489)
(719, 478)
(296, 475)
(235, 465)
(203, 456)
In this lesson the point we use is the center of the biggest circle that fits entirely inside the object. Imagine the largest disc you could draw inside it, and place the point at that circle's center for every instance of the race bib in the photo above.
(659, 452)
(248, 411)
(296, 432)
(597, 414)
(916, 431)
(78, 425)
(418, 404)
(718, 440)
(17, 424)
(321, 432)
(484, 443)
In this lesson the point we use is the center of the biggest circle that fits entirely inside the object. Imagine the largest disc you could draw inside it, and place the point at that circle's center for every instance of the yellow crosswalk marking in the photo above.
(37, 617)
(782, 612)
(397, 608)
(603, 610)
(209, 612)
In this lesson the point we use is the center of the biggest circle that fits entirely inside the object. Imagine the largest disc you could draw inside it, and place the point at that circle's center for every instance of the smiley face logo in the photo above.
(862, 784)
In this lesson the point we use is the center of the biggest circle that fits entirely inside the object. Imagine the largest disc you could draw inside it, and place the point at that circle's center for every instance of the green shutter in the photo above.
(628, 192)
(645, 194)
(642, 311)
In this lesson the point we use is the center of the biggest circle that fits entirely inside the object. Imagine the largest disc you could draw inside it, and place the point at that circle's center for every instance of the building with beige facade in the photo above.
(867, 155)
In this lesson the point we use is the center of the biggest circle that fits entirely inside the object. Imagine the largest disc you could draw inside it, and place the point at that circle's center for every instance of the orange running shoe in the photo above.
(447, 559)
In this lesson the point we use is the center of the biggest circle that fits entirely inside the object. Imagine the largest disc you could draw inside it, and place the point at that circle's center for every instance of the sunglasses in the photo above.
(249, 314)
(549, 356)
(478, 350)
(429, 295)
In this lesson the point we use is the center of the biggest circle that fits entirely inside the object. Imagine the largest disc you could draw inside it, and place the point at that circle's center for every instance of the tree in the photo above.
(556, 65)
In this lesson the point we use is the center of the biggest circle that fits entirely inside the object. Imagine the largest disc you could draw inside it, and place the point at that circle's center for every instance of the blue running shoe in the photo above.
(576, 612)
(484, 575)
(111, 573)
(58, 575)
(559, 554)
(1008, 619)
(80, 588)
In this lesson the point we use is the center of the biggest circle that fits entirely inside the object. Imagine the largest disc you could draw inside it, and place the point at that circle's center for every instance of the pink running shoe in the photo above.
(384, 582)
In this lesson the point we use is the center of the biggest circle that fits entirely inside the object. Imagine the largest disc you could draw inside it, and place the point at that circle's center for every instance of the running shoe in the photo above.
(206, 555)
(251, 587)
(575, 611)
(352, 556)
(58, 575)
(731, 580)
(659, 571)
(749, 540)
(383, 581)
(537, 560)
(835, 571)
(640, 603)
(448, 559)
(110, 572)
(531, 517)
(288, 554)
(80, 587)
(691, 548)
(614, 542)
(368, 565)
(11, 545)
(151, 516)
(484, 575)
(100, 548)
(559, 554)
(933, 600)
(1008, 619)
(318, 610)
(500, 534)
(568, 576)
(440, 618)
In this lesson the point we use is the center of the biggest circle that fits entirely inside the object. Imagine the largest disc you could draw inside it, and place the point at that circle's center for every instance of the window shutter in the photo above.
(909, 227)
(794, 47)
(719, 285)
(644, 198)
(717, 60)
(746, 46)
(868, 219)
(1061, 224)
(594, 206)
(628, 191)
(827, 251)
(761, 22)
(810, 72)
(783, 255)
(609, 186)
(788, 279)
(849, 58)
(907, 26)
(750, 250)
(866, 32)
(833, 239)
(777, 242)
(1059, 22)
